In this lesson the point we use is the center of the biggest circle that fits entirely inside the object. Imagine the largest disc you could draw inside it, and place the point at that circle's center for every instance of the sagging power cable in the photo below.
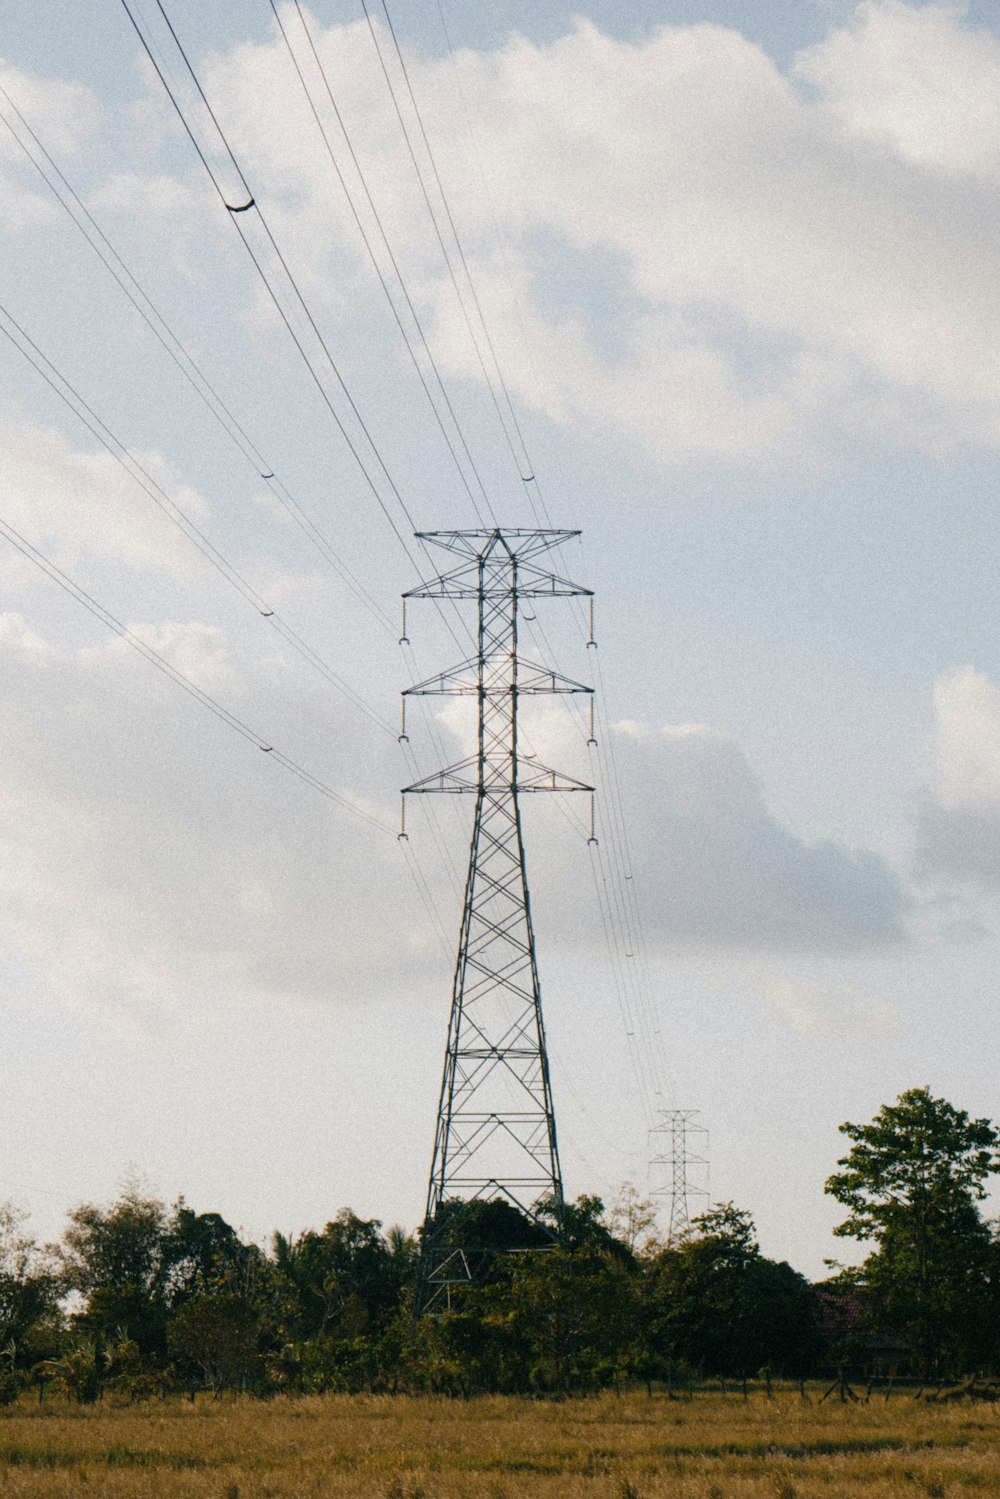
(113, 261)
(141, 476)
(81, 595)
(235, 211)
(396, 269)
(521, 459)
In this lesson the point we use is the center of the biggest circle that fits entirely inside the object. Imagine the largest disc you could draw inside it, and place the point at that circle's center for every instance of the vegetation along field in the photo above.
(154, 1352)
(624, 1447)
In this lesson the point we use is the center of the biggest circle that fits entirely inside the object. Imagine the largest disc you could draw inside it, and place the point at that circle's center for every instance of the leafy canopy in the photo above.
(919, 1158)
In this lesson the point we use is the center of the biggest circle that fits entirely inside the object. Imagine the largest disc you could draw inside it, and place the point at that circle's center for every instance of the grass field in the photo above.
(610, 1447)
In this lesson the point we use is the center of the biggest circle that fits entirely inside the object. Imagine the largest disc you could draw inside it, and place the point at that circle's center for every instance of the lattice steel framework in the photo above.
(496, 1130)
(677, 1163)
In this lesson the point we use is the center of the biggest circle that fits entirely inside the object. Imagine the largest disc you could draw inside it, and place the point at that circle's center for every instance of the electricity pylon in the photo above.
(678, 1187)
(496, 1129)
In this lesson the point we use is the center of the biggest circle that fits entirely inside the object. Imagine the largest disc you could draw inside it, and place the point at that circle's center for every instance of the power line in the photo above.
(458, 245)
(81, 595)
(392, 258)
(235, 211)
(525, 478)
(620, 919)
(624, 924)
(143, 304)
(485, 184)
(99, 429)
(620, 922)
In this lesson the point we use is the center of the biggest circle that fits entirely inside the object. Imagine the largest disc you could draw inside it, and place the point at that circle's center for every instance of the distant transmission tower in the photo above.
(676, 1161)
(496, 1130)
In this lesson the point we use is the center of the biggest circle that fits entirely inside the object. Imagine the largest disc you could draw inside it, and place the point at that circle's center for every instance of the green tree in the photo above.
(912, 1182)
(632, 1222)
(200, 1252)
(218, 1334)
(344, 1281)
(561, 1320)
(585, 1226)
(28, 1288)
(116, 1259)
(481, 1236)
(715, 1303)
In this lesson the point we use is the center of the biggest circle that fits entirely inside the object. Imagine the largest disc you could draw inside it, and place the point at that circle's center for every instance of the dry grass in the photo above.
(605, 1448)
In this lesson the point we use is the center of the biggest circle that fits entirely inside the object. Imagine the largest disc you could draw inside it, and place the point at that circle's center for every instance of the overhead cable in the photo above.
(418, 325)
(521, 459)
(486, 186)
(235, 211)
(161, 663)
(283, 314)
(141, 476)
(113, 261)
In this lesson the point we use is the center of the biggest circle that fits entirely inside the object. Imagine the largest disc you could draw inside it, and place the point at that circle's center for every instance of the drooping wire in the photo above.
(117, 450)
(392, 259)
(142, 303)
(621, 914)
(519, 461)
(239, 209)
(620, 918)
(98, 428)
(502, 247)
(235, 213)
(113, 261)
(628, 894)
(427, 897)
(91, 604)
(616, 890)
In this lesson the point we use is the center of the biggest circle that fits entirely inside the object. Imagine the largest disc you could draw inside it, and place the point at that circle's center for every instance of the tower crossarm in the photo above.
(463, 777)
(463, 681)
(531, 776)
(469, 583)
(518, 541)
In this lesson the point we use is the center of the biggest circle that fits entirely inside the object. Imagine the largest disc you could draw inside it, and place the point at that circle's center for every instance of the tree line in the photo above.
(141, 1299)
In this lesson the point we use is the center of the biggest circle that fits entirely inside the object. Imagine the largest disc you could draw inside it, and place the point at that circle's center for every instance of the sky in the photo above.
(739, 268)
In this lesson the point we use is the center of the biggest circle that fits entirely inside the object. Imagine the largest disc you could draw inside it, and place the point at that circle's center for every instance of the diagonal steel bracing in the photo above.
(496, 1134)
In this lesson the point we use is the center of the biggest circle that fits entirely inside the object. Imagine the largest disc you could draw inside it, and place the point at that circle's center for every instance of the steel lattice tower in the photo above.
(496, 1130)
(678, 1187)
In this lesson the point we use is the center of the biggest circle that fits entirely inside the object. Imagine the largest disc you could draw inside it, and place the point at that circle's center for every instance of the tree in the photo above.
(565, 1317)
(912, 1182)
(199, 1250)
(28, 1287)
(716, 1303)
(217, 1334)
(28, 1303)
(584, 1227)
(343, 1281)
(480, 1236)
(117, 1259)
(632, 1222)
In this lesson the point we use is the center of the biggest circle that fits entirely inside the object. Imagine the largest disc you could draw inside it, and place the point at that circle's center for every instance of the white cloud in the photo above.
(155, 201)
(916, 79)
(713, 867)
(200, 652)
(752, 274)
(958, 831)
(73, 504)
(717, 867)
(840, 1015)
(64, 114)
(967, 740)
(150, 857)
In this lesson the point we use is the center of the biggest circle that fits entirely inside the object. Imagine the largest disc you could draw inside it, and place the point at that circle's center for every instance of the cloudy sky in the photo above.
(741, 276)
